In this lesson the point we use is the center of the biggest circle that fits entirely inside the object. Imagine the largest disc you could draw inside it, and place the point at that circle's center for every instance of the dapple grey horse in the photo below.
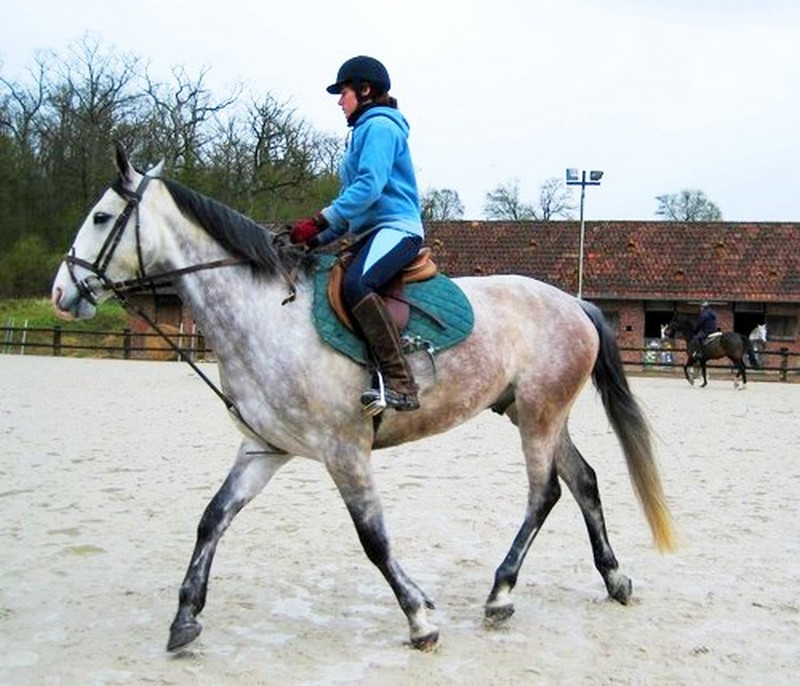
(292, 395)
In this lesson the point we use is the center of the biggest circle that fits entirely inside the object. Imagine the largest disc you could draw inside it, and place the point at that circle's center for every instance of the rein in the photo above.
(97, 270)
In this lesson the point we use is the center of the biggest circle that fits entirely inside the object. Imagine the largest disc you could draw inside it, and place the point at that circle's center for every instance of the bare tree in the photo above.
(56, 136)
(181, 126)
(88, 94)
(689, 205)
(504, 203)
(555, 200)
(441, 205)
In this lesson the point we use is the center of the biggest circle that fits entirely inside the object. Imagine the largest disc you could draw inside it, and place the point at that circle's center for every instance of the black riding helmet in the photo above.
(361, 69)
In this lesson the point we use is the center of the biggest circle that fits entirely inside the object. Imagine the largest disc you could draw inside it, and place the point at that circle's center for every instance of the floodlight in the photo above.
(576, 179)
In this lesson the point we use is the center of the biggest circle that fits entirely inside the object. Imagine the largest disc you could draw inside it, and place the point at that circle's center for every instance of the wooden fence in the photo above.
(127, 344)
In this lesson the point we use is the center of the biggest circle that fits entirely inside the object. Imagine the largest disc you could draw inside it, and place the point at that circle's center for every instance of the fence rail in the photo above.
(123, 344)
(128, 344)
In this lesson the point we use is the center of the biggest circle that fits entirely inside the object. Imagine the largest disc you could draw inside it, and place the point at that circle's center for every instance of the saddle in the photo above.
(421, 268)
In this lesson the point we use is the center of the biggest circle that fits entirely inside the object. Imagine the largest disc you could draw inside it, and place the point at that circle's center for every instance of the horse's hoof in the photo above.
(620, 589)
(497, 614)
(181, 635)
(427, 643)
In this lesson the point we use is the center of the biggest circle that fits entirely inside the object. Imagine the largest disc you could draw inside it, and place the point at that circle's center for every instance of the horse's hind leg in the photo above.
(690, 379)
(250, 473)
(354, 479)
(544, 492)
(582, 483)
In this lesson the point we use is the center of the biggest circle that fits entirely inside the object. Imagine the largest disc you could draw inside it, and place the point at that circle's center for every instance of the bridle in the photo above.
(97, 270)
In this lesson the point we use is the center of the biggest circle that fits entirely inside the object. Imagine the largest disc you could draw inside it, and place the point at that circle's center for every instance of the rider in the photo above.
(706, 325)
(379, 204)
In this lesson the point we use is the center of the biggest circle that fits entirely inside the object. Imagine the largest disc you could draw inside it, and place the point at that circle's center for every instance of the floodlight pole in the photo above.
(572, 180)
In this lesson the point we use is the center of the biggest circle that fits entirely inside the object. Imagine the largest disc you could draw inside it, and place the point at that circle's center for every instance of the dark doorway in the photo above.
(745, 322)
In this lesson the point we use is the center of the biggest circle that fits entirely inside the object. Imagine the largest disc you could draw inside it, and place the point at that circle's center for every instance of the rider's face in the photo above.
(348, 101)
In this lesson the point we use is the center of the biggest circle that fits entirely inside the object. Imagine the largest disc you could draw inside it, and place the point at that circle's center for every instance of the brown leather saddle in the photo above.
(421, 269)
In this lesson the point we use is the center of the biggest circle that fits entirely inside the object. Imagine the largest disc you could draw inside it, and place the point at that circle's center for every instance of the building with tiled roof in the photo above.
(639, 273)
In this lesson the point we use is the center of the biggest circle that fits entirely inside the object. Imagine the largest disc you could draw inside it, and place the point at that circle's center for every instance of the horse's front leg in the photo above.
(582, 483)
(353, 476)
(250, 473)
(703, 368)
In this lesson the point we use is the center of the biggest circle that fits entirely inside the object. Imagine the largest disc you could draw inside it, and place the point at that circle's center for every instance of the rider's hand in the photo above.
(306, 230)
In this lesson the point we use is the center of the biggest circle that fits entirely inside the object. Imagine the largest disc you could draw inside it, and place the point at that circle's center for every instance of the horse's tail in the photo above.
(632, 430)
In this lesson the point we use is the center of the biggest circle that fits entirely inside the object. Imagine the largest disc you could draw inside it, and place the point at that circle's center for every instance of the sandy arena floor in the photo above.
(106, 466)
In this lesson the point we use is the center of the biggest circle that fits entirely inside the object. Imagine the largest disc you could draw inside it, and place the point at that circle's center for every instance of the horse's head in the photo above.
(759, 333)
(108, 247)
(679, 325)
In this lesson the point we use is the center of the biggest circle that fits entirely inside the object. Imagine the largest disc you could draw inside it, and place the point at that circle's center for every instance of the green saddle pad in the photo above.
(451, 321)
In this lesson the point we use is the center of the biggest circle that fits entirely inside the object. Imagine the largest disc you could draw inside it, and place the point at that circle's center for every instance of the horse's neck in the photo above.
(687, 330)
(232, 301)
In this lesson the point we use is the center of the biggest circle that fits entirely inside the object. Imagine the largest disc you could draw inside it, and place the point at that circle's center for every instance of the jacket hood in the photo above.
(392, 113)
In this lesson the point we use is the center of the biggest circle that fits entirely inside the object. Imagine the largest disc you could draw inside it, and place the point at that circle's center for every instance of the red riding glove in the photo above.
(306, 230)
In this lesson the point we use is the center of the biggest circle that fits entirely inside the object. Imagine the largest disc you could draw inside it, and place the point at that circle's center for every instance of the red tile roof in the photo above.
(631, 260)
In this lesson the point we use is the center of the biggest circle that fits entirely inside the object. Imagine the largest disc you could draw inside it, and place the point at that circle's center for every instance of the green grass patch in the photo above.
(39, 312)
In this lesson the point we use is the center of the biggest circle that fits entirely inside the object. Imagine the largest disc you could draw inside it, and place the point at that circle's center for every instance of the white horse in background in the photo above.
(758, 342)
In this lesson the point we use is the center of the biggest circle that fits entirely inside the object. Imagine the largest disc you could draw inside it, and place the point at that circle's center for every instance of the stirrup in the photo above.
(376, 400)
(373, 400)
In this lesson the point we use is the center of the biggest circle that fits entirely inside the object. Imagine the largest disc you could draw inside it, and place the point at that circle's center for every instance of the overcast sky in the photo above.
(661, 95)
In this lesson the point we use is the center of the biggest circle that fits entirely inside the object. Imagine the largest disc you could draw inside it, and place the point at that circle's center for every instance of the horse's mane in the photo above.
(237, 233)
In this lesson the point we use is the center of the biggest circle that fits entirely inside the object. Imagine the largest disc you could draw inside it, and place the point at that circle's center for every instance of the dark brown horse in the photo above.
(729, 344)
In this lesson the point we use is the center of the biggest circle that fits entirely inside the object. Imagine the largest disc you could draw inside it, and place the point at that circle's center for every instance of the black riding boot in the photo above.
(383, 339)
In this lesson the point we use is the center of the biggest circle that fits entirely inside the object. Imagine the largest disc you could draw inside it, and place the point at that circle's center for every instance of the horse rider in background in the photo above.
(706, 325)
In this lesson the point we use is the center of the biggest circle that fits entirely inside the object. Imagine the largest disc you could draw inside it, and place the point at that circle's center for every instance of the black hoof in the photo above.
(621, 591)
(427, 643)
(183, 633)
(496, 615)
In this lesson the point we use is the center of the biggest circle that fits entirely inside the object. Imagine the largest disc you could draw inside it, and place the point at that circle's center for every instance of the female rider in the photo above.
(379, 204)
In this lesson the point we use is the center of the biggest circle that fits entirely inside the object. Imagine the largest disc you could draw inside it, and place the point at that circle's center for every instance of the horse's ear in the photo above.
(121, 158)
(156, 170)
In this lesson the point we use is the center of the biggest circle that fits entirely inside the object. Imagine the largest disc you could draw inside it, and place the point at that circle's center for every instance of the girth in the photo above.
(421, 268)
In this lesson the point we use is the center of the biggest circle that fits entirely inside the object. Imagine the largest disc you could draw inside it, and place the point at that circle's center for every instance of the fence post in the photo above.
(784, 363)
(127, 343)
(57, 340)
(8, 335)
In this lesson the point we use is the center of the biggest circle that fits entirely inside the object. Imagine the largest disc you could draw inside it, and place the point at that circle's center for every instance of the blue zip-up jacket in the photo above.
(379, 188)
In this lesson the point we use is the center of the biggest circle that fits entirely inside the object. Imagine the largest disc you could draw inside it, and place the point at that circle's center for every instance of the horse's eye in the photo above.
(101, 218)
